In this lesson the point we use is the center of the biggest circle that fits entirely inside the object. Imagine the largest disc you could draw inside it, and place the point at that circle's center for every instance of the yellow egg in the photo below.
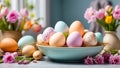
(77, 26)
(8, 45)
(28, 50)
(57, 40)
(37, 55)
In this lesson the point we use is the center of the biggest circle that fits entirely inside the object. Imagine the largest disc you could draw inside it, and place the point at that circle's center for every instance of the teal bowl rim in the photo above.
(67, 47)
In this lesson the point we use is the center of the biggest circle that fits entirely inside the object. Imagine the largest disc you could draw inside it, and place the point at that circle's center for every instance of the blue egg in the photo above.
(26, 40)
(99, 37)
(61, 27)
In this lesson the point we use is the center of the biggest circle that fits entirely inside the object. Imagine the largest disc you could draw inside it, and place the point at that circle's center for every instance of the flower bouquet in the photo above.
(15, 22)
(109, 19)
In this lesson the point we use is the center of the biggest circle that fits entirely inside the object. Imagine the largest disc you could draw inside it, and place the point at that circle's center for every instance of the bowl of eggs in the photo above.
(63, 43)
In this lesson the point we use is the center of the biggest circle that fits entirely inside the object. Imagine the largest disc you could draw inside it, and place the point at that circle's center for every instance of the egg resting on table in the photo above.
(77, 26)
(74, 39)
(48, 32)
(61, 26)
(8, 45)
(26, 40)
(57, 40)
(89, 39)
(37, 55)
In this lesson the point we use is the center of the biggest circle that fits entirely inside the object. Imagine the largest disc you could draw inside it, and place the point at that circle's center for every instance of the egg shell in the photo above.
(77, 26)
(47, 33)
(61, 26)
(74, 39)
(37, 55)
(26, 40)
(40, 40)
(99, 37)
(28, 50)
(8, 45)
(89, 39)
(57, 40)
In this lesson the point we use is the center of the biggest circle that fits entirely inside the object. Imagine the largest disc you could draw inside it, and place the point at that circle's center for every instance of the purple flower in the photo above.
(101, 14)
(12, 16)
(88, 60)
(25, 62)
(4, 11)
(114, 59)
(99, 59)
(90, 15)
(24, 12)
(8, 58)
(106, 57)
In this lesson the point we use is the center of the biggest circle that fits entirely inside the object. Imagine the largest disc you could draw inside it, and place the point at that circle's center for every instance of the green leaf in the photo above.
(19, 58)
(113, 52)
(1, 61)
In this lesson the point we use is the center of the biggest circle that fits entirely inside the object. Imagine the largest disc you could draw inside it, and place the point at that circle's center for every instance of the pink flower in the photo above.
(12, 16)
(99, 59)
(88, 60)
(8, 58)
(90, 15)
(15, 54)
(4, 11)
(114, 59)
(101, 14)
(106, 57)
(116, 14)
(107, 8)
(36, 27)
(24, 12)
(117, 7)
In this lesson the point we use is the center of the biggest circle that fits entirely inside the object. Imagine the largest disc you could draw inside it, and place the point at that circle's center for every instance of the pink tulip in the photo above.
(24, 12)
(117, 7)
(114, 59)
(88, 60)
(116, 14)
(4, 11)
(8, 58)
(90, 15)
(99, 59)
(101, 14)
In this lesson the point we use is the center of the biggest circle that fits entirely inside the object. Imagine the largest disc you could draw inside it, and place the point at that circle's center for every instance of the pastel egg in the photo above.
(40, 40)
(74, 39)
(8, 45)
(57, 40)
(99, 37)
(77, 26)
(37, 55)
(26, 40)
(48, 32)
(61, 26)
(28, 50)
(89, 39)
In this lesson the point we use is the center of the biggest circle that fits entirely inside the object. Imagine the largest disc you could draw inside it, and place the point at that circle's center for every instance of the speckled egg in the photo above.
(61, 26)
(28, 50)
(77, 26)
(40, 40)
(99, 37)
(89, 39)
(8, 45)
(57, 40)
(37, 55)
(74, 39)
(26, 40)
(47, 33)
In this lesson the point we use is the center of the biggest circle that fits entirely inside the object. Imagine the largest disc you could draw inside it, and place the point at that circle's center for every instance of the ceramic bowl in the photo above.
(69, 54)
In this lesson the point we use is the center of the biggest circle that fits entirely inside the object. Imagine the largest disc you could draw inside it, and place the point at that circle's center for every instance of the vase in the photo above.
(110, 41)
(16, 35)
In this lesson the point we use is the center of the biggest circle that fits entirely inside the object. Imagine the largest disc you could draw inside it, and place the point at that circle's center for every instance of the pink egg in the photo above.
(48, 32)
(74, 39)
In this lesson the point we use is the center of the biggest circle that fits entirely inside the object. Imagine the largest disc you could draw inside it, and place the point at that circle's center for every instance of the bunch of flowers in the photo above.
(107, 17)
(17, 21)
(112, 57)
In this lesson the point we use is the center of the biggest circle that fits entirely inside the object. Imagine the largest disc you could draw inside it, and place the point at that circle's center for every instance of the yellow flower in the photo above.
(108, 19)
(32, 15)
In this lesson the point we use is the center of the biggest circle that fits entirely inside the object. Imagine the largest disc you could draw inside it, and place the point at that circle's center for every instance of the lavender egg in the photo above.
(74, 39)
